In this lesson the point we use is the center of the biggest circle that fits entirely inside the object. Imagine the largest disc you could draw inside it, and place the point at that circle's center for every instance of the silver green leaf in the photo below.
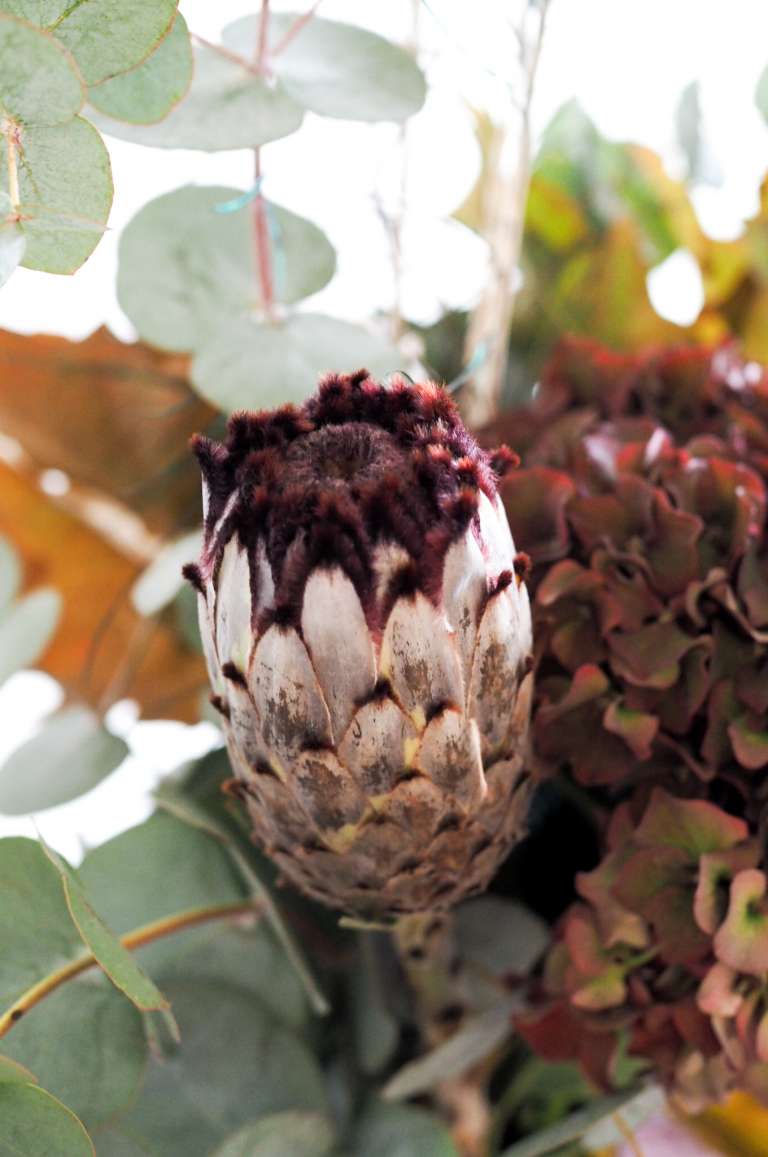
(65, 184)
(106, 37)
(35, 1124)
(409, 1132)
(338, 70)
(12, 245)
(98, 1067)
(228, 106)
(10, 573)
(186, 267)
(162, 580)
(25, 629)
(148, 92)
(252, 365)
(39, 83)
(71, 753)
(289, 1134)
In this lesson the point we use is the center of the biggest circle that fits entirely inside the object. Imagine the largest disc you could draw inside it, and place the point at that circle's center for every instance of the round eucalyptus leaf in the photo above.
(148, 93)
(25, 629)
(35, 1124)
(66, 194)
(87, 1046)
(228, 106)
(186, 267)
(338, 70)
(260, 1067)
(36, 929)
(70, 754)
(10, 570)
(106, 37)
(11, 1070)
(162, 580)
(39, 83)
(289, 1134)
(386, 1130)
(252, 365)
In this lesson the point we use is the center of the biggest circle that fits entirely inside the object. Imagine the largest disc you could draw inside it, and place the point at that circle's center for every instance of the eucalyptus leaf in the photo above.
(186, 268)
(259, 1066)
(87, 1046)
(228, 106)
(337, 70)
(71, 753)
(290, 356)
(573, 1128)
(289, 1134)
(25, 629)
(12, 1071)
(39, 83)
(148, 92)
(476, 1039)
(105, 37)
(10, 571)
(65, 184)
(35, 1124)
(401, 1131)
(161, 581)
(160, 867)
(115, 960)
(647, 1103)
(36, 930)
(501, 936)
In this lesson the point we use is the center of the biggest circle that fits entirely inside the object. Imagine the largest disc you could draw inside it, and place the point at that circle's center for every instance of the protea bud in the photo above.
(368, 639)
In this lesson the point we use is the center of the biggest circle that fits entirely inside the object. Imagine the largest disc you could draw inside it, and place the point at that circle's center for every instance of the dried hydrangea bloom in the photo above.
(368, 639)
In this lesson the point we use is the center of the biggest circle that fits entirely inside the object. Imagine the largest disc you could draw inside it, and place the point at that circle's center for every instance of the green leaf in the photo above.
(10, 573)
(105, 37)
(87, 1046)
(647, 1103)
(162, 580)
(186, 269)
(501, 936)
(290, 356)
(12, 1071)
(228, 106)
(259, 1067)
(401, 1131)
(65, 184)
(156, 869)
(36, 930)
(115, 960)
(71, 753)
(148, 93)
(25, 628)
(35, 1124)
(338, 70)
(474, 1040)
(289, 1134)
(571, 1129)
(39, 84)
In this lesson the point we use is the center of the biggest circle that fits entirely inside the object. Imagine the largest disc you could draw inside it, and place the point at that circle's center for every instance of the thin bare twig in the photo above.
(222, 50)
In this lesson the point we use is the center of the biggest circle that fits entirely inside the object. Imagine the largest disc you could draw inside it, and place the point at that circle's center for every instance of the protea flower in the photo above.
(368, 638)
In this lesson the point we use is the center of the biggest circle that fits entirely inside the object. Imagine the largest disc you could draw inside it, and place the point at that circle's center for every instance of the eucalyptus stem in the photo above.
(261, 240)
(138, 938)
(295, 29)
(425, 944)
(12, 140)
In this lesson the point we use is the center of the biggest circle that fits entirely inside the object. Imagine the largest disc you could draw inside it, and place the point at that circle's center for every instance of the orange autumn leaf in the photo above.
(114, 416)
(102, 647)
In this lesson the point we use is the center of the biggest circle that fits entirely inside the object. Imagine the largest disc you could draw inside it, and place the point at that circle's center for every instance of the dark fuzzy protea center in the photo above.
(341, 456)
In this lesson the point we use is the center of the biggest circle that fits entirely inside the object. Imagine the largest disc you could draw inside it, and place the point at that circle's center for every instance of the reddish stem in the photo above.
(261, 47)
(263, 245)
(295, 29)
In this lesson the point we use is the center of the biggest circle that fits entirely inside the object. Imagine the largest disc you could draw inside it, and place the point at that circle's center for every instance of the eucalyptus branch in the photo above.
(146, 934)
(12, 141)
(262, 244)
(295, 29)
(503, 223)
(222, 50)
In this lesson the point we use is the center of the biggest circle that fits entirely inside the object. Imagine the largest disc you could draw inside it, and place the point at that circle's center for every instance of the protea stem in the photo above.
(426, 947)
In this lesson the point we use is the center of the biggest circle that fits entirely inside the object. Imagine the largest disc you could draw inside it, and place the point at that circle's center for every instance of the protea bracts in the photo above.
(368, 638)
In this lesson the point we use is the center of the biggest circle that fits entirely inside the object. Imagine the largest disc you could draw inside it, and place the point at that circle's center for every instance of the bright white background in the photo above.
(626, 61)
